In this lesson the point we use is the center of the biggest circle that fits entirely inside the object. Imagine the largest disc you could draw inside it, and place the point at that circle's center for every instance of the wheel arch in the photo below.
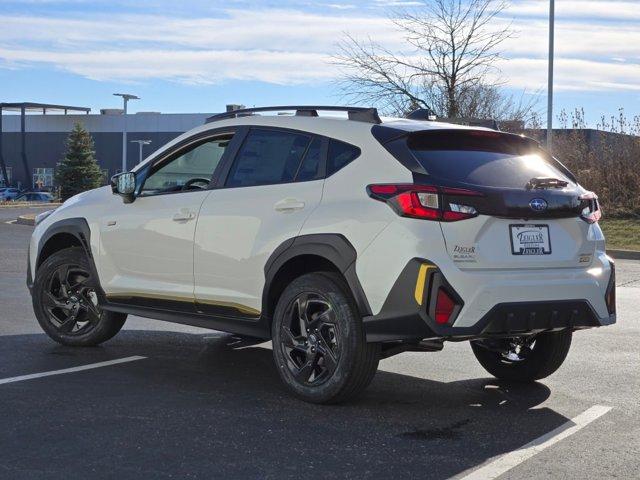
(306, 253)
(70, 232)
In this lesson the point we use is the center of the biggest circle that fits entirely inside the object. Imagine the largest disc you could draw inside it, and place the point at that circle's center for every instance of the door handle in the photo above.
(184, 216)
(288, 205)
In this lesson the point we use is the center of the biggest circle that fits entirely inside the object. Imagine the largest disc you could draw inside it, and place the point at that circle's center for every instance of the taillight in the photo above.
(444, 307)
(426, 202)
(591, 211)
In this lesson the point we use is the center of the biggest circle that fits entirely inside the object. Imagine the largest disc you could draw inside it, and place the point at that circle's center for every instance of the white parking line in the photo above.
(509, 460)
(69, 370)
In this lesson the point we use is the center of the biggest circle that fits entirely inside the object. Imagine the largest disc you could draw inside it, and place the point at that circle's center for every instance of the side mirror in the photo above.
(124, 184)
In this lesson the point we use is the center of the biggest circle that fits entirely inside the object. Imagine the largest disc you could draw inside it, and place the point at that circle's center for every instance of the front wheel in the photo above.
(319, 345)
(523, 359)
(65, 301)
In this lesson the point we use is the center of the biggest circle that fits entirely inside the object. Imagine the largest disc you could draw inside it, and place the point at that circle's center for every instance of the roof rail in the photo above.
(358, 114)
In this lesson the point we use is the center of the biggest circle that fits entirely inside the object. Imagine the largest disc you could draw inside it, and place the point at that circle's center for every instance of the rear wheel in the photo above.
(523, 359)
(319, 344)
(65, 301)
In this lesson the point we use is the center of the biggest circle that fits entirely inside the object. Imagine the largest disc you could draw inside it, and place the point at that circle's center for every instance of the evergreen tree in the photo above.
(78, 171)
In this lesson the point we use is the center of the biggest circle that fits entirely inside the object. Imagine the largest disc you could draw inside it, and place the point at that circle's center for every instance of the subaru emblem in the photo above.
(538, 204)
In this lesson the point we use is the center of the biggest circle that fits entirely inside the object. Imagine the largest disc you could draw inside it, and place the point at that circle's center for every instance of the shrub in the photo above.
(606, 159)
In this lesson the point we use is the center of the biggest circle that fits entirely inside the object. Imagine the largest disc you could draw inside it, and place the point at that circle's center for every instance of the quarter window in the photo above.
(339, 155)
(268, 157)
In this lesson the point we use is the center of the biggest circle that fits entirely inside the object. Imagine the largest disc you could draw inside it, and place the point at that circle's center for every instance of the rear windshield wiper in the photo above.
(546, 182)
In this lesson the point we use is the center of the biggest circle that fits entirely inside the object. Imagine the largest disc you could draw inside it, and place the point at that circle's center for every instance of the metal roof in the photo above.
(32, 106)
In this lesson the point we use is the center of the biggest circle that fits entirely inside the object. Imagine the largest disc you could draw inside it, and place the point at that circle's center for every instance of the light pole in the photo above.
(141, 143)
(552, 20)
(125, 97)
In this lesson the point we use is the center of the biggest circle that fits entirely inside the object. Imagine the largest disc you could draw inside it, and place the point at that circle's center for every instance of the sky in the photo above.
(199, 55)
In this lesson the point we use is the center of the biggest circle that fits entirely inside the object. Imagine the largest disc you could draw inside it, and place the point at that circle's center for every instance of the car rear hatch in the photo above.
(505, 203)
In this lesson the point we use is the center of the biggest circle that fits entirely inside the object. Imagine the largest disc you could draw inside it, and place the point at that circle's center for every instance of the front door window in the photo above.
(189, 170)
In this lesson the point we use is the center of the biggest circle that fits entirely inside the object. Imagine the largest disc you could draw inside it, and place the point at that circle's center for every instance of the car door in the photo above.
(146, 249)
(270, 189)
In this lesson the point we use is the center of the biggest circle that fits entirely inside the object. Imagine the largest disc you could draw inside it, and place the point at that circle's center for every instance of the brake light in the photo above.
(444, 307)
(591, 211)
(426, 202)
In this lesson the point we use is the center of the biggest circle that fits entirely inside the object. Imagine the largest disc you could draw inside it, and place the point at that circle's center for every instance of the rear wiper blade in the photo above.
(546, 182)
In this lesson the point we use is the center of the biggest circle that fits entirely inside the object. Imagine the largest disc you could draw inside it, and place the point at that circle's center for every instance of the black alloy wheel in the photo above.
(319, 344)
(517, 349)
(523, 359)
(66, 301)
(71, 300)
(310, 339)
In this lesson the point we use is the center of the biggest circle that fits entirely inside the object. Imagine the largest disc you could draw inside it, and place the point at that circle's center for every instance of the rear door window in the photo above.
(482, 158)
(268, 157)
(310, 166)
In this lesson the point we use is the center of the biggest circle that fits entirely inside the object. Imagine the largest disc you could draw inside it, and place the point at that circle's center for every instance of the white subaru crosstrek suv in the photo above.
(344, 240)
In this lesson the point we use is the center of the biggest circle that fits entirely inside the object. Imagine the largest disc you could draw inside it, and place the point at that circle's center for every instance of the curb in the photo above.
(30, 205)
(26, 220)
(625, 254)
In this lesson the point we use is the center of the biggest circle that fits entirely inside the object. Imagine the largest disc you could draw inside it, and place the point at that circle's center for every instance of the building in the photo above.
(32, 139)
(33, 136)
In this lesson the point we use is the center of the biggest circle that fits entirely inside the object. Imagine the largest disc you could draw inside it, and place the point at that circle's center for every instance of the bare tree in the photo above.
(447, 67)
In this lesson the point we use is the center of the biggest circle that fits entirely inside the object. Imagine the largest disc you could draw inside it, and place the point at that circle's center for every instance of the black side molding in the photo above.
(185, 314)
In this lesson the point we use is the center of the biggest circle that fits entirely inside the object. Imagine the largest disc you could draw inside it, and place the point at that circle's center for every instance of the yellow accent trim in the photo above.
(238, 306)
(241, 308)
(420, 282)
(149, 295)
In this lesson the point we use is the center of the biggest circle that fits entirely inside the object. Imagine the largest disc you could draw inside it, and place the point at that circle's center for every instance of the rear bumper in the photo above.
(403, 318)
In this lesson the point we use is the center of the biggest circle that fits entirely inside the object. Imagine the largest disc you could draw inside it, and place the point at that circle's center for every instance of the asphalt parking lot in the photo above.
(197, 406)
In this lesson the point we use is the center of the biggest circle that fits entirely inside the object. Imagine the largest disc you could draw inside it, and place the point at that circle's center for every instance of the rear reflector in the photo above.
(426, 202)
(610, 296)
(444, 307)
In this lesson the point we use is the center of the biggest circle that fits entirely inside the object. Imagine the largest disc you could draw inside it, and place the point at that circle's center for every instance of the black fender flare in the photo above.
(79, 228)
(333, 247)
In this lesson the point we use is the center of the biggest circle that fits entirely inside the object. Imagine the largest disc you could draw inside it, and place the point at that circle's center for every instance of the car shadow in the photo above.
(200, 407)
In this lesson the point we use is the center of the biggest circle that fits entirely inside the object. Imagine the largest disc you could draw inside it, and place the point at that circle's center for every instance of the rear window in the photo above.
(482, 158)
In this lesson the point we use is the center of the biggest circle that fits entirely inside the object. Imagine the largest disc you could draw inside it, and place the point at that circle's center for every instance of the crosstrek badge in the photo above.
(464, 253)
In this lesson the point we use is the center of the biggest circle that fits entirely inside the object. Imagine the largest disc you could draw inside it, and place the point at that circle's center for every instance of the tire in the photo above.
(542, 359)
(66, 304)
(336, 363)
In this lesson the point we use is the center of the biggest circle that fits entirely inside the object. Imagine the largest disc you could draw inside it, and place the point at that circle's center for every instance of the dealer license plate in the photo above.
(530, 239)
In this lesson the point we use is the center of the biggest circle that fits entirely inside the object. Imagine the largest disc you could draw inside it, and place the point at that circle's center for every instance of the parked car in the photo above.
(34, 197)
(9, 193)
(343, 241)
